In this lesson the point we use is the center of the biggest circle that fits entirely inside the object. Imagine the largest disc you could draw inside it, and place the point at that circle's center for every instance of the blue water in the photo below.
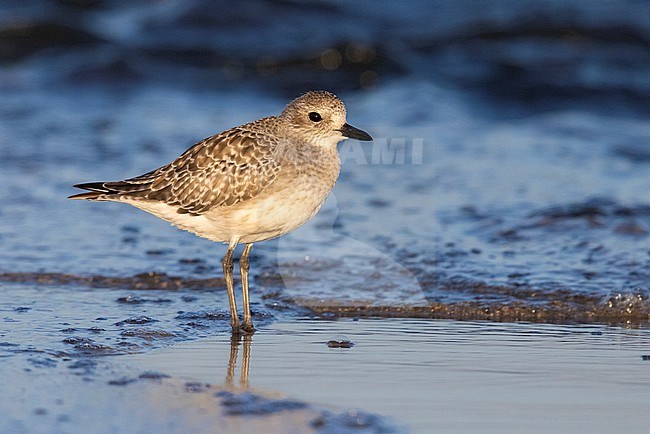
(438, 375)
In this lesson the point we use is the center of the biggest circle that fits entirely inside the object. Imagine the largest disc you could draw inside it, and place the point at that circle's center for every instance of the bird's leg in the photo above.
(244, 265)
(227, 264)
(232, 361)
(246, 359)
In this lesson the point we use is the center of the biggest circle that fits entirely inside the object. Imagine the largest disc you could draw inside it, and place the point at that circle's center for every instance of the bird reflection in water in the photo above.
(235, 341)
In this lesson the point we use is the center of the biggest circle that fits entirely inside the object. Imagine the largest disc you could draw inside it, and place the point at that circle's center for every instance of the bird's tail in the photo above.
(133, 188)
(96, 191)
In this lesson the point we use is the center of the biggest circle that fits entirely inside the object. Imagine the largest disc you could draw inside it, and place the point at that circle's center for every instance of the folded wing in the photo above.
(221, 170)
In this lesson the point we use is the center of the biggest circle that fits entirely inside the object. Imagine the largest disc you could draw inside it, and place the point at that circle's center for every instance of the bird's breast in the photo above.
(293, 198)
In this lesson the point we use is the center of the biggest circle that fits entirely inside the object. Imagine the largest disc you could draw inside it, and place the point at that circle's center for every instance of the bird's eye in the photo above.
(315, 117)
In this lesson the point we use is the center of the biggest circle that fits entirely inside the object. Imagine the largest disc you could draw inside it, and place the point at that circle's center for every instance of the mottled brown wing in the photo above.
(221, 170)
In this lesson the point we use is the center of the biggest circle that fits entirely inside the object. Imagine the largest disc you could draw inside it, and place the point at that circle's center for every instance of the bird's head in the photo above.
(320, 117)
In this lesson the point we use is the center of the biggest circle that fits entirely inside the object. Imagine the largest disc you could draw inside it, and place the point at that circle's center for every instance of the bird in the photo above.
(250, 183)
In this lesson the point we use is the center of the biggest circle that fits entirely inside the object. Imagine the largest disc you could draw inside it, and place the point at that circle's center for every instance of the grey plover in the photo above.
(250, 183)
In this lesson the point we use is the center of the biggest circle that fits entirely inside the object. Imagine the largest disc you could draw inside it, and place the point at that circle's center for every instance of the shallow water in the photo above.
(479, 189)
(65, 344)
(440, 375)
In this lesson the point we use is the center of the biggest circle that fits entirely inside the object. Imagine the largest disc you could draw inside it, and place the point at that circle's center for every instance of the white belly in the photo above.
(261, 218)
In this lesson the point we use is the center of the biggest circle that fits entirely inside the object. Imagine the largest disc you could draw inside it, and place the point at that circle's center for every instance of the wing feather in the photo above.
(221, 170)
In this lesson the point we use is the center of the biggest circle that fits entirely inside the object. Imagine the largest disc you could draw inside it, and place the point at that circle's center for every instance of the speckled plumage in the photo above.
(250, 183)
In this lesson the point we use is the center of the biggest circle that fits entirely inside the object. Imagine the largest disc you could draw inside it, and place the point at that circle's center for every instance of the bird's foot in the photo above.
(247, 328)
(242, 329)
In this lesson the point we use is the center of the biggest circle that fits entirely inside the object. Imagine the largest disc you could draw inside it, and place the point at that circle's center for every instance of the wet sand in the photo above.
(122, 399)
(559, 306)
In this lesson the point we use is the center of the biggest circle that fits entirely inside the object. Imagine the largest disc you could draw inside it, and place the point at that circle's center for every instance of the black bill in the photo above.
(354, 133)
